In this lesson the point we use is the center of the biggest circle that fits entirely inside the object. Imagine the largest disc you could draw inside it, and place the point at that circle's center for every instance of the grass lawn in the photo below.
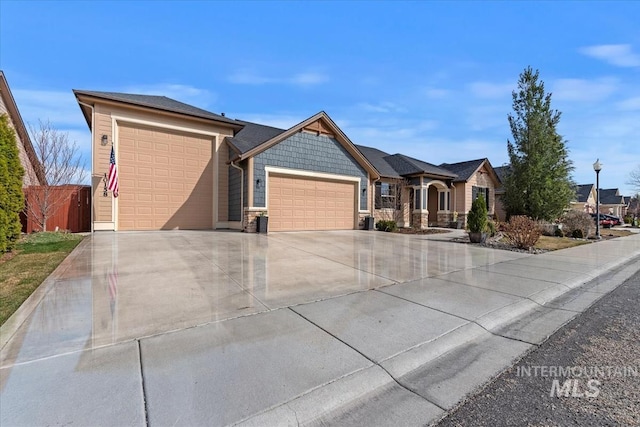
(554, 243)
(36, 256)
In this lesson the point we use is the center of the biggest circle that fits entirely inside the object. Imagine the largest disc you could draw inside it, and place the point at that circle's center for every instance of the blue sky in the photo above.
(429, 79)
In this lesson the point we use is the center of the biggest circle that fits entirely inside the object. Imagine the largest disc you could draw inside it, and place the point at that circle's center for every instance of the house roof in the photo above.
(627, 200)
(377, 159)
(583, 191)
(253, 139)
(252, 135)
(21, 129)
(501, 172)
(464, 170)
(405, 165)
(610, 196)
(159, 103)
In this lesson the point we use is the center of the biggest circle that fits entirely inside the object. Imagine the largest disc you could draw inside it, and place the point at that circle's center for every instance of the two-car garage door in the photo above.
(302, 203)
(165, 178)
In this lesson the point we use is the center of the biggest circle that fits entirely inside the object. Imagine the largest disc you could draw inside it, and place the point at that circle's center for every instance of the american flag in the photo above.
(113, 174)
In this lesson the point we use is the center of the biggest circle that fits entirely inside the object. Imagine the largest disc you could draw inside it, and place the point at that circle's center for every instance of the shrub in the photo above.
(491, 228)
(477, 217)
(386, 225)
(577, 220)
(549, 228)
(577, 234)
(628, 219)
(11, 196)
(558, 233)
(522, 231)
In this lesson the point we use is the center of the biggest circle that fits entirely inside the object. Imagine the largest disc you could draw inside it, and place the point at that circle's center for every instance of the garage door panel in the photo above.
(155, 190)
(317, 204)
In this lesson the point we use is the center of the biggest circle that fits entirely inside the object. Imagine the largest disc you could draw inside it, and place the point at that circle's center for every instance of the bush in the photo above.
(477, 218)
(550, 229)
(491, 228)
(386, 225)
(522, 231)
(11, 195)
(628, 219)
(558, 233)
(577, 220)
(577, 234)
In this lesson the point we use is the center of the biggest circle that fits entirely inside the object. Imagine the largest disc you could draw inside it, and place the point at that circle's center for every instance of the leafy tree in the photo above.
(538, 182)
(11, 196)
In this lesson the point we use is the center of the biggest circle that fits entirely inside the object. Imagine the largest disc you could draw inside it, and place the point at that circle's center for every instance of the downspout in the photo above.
(241, 193)
(93, 121)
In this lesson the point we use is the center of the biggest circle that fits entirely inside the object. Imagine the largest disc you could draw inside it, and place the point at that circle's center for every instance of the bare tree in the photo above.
(62, 164)
(634, 179)
(392, 200)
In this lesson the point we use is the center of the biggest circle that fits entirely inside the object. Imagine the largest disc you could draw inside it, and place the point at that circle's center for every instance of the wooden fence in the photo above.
(72, 211)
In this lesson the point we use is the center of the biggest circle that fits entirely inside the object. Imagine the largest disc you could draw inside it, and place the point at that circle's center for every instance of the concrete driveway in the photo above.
(215, 328)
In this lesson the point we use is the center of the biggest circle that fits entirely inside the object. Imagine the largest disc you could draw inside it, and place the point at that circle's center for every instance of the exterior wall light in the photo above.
(104, 140)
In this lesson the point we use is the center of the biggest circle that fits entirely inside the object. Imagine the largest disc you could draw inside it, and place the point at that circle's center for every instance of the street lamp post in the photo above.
(597, 166)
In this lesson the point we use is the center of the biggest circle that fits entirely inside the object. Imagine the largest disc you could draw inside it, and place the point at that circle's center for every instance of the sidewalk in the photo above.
(399, 354)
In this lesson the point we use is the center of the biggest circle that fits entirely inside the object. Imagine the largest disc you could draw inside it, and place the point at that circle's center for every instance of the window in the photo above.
(476, 191)
(386, 196)
(444, 198)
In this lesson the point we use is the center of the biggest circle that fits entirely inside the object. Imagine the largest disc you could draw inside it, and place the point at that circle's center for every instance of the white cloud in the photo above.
(248, 77)
(491, 90)
(436, 93)
(59, 107)
(620, 55)
(630, 104)
(583, 90)
(382, 107)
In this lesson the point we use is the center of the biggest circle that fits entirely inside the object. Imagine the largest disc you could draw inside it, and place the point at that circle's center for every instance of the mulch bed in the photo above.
(418, 231)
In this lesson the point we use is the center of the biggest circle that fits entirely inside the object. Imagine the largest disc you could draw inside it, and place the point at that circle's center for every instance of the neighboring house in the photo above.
(612, 202)
(420, 191)
(474, 177)
(33, 173)
(585, 198)
(181, 167)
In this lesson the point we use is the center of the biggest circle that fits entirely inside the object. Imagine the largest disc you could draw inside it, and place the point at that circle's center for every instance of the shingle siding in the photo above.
(309, 152)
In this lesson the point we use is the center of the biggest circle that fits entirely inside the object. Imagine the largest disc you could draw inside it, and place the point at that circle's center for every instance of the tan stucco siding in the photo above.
(482, 178)
(30, 177)
(107, 120)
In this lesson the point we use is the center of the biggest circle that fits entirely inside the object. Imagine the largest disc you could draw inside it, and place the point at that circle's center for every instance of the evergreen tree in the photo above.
(11, 195)
(538, 182)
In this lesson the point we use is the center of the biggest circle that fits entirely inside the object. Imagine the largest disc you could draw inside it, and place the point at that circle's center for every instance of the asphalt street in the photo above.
(586, 374)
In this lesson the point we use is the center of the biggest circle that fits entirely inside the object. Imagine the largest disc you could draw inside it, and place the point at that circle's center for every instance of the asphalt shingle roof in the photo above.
(501, 171)
(406, 165)
(252, 135)
(582, 192)
(610, 196)
(158, 102)
(464, 170)
(377, 159)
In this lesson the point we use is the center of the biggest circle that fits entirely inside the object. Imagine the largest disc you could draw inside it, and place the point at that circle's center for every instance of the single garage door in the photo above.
(165, 179)
(297, 203)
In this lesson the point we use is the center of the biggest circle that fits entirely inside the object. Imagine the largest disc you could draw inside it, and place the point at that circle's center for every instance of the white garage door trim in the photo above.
(314, 175)
(116, 119)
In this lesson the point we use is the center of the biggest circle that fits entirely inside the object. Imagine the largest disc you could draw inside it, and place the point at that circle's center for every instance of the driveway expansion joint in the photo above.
(368, 358)
(143, 385)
